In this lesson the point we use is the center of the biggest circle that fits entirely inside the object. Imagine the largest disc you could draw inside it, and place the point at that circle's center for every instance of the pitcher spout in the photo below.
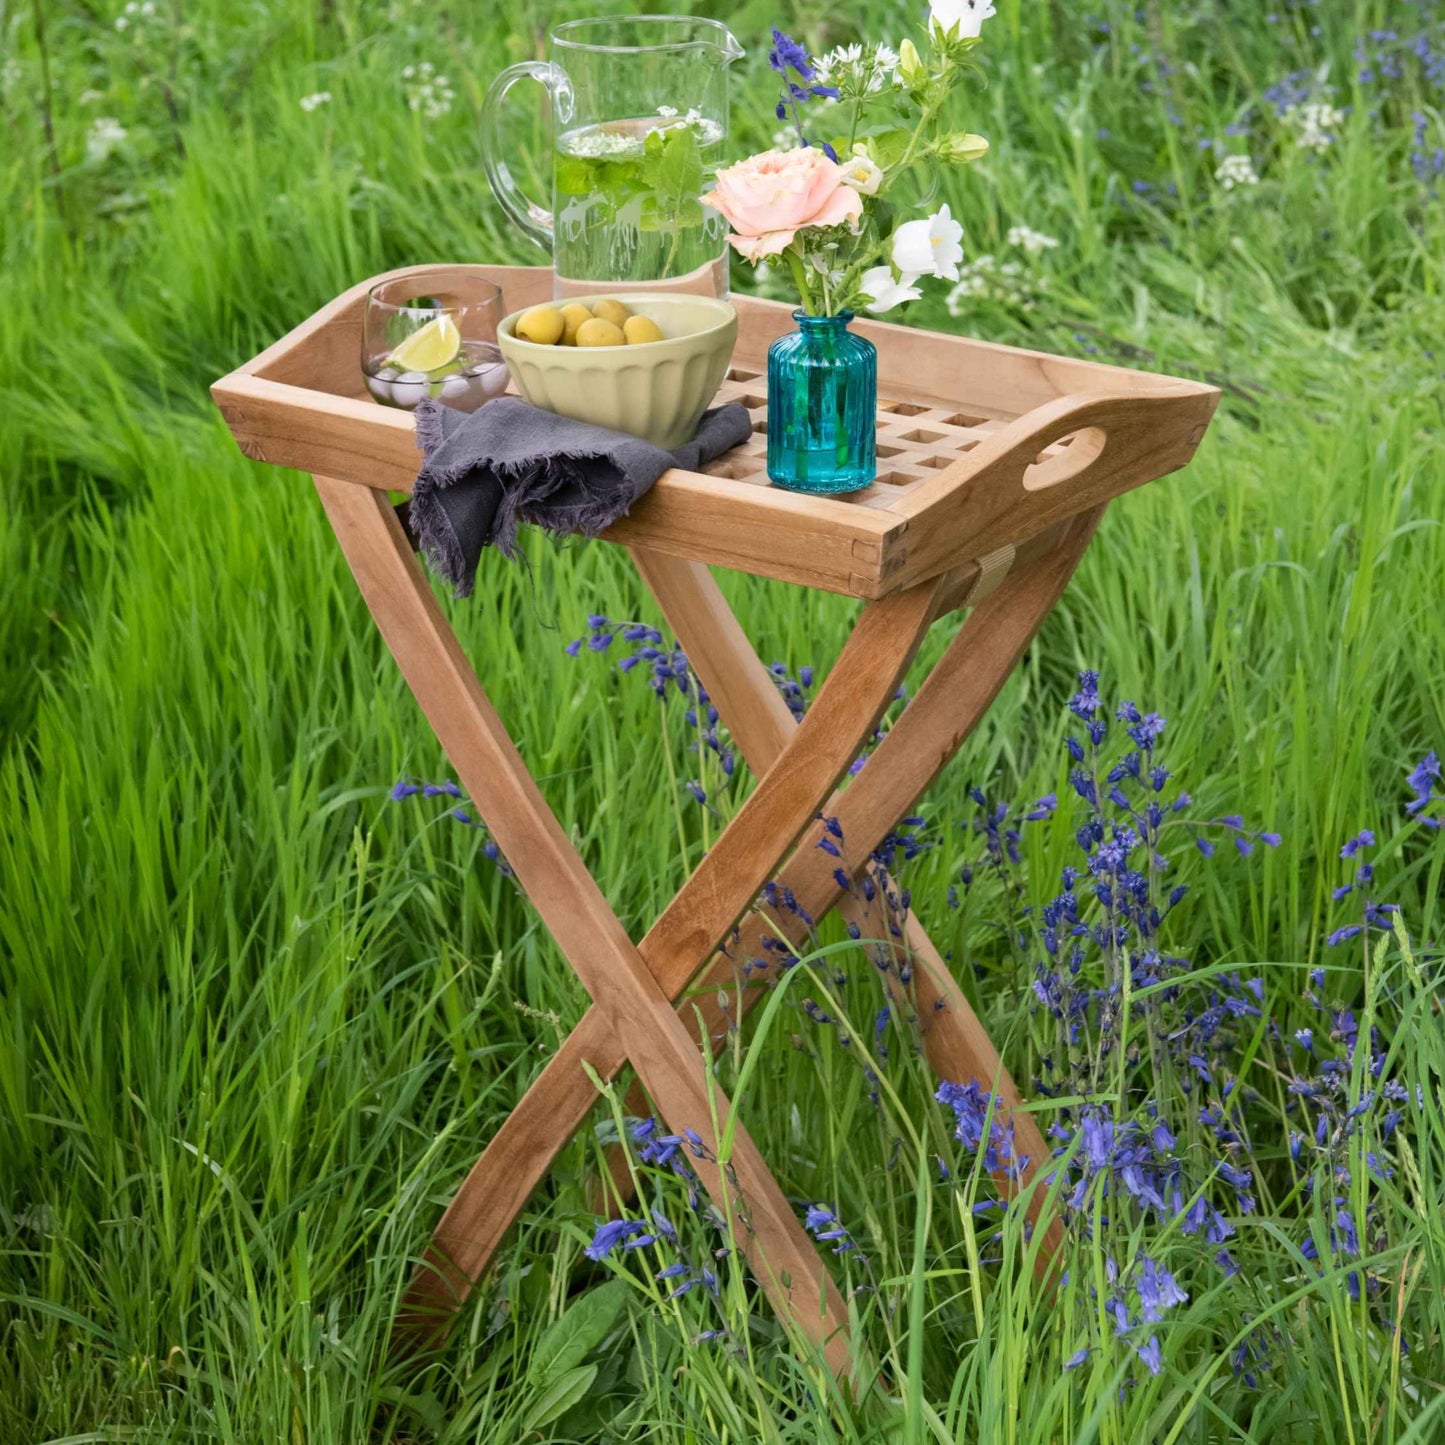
(728, 47)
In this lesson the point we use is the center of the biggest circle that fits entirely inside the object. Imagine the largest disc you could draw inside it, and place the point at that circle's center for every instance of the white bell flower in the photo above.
(883, 292)
(967, 15)
(929, 248)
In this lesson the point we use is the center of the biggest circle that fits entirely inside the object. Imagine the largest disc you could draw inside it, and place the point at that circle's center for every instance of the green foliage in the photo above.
(573, 1337)
(256, 1021)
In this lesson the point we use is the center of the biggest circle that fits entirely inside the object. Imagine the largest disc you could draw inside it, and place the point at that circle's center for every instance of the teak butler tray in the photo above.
(995, 465)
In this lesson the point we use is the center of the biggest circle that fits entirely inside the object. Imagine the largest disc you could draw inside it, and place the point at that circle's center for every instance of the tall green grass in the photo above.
(255, 1020)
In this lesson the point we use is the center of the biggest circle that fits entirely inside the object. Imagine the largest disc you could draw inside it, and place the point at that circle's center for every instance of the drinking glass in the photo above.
(433, 334)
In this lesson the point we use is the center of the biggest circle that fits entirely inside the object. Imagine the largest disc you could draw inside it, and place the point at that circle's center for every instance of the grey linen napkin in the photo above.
(510, 462)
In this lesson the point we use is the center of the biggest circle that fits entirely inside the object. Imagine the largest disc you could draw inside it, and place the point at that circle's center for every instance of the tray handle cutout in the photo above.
(1056, 461)
(1065, 458)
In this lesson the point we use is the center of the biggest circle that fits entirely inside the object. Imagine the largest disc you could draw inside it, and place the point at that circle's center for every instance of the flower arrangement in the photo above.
(822, 205)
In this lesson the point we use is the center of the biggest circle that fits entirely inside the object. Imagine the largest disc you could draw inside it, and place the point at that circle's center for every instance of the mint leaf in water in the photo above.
(672, 170)
(572, 175)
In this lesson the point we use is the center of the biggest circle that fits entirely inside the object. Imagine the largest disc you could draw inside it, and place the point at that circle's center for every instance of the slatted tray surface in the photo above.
(979, 446)
(915, 441)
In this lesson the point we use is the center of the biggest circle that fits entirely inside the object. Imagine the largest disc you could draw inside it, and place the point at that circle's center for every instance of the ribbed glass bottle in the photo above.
(822, 406)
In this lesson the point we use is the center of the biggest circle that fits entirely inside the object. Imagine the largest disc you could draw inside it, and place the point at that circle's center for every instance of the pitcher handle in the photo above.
(535, 220)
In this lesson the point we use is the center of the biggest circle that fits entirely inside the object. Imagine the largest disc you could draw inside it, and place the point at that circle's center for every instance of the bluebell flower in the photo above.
(1422, 779)
(610, 1234)
(1157, 1290)
(787, 54)
(1151, 1355)
(978, 1122)
(824, 1225)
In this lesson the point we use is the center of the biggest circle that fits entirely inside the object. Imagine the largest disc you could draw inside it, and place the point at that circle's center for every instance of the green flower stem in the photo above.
(859, 264)
(925, 118)
(879, 251)
(800, 280)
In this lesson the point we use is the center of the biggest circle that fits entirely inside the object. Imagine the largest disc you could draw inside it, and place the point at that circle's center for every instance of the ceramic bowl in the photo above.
(657, 390)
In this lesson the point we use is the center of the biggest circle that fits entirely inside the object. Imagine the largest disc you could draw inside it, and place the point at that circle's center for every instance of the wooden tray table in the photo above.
(995, 465)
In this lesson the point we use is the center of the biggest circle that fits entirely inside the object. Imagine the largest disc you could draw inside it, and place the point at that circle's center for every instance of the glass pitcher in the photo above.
(640, 119)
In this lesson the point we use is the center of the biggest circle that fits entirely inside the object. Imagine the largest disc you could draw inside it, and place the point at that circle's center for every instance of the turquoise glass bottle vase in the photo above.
(822, 407)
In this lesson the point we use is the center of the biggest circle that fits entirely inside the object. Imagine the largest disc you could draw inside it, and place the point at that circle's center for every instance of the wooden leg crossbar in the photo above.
(635, 988)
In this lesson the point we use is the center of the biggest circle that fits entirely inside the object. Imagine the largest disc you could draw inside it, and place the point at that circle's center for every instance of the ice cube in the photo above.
(380, 388)
(456, 391)
(491, 380)
(409, 390)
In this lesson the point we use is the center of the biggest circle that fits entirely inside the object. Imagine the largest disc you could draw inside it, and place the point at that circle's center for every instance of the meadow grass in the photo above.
(256, 1019)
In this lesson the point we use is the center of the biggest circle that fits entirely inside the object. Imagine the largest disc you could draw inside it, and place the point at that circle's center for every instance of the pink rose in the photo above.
(768, 198)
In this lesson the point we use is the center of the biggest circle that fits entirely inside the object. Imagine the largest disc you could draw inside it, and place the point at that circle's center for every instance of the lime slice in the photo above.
(437, 344)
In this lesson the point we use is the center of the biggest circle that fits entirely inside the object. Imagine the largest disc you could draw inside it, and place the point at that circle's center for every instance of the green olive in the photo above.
(600, 332)
(613, 311)
(574, 313)
(542, 324)
(641, 329)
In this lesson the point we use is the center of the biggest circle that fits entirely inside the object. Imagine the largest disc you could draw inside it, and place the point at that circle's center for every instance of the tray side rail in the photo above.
(1021, 481)
(947, 369)
(813, 541)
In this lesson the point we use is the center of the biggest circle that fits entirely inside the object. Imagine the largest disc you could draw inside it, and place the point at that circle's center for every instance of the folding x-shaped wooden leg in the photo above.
(633, 987)
(999, 463)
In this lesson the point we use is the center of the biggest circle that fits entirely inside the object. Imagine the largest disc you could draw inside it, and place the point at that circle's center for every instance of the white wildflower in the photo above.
(315, 99)
(1316, 121)
(1235, 171)
(427, 93)
(962, 17)
(931, 247)
(988, 278)
(884, 292)
(667, 111)
(596, 143)
(105, 136)
(862, 172)
(827, 67)
(1032, 241)
(854, 72)
(137, 14)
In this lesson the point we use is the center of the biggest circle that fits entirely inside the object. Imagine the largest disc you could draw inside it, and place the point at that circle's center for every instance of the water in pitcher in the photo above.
(627, 201)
